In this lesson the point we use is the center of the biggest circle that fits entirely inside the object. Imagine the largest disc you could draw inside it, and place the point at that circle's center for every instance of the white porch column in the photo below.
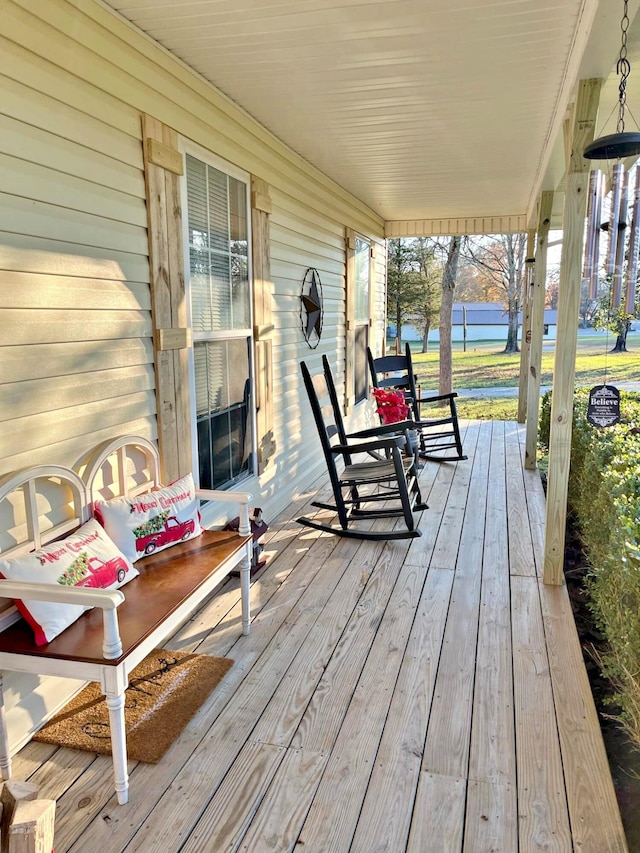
(575, 205)
(525, 343)
(537, 330)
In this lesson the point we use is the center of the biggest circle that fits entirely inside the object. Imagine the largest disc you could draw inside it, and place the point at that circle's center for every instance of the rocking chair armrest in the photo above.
(384, 429)
(369, 446)
(438, 397)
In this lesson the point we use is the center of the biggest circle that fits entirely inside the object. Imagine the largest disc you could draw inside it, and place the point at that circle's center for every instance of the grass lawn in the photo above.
(483, 409)
(486, 366)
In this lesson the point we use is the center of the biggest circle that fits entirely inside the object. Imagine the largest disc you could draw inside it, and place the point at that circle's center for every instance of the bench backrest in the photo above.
(46, 502)
(39, 505)
(123, 467)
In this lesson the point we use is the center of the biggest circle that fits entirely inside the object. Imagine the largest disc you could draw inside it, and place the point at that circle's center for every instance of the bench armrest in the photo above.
(107, 599)
(225, 496)
(241, 498)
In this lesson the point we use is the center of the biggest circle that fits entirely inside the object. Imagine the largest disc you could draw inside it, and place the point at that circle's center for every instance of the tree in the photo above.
(474, 284)
(427, 306)
(403, 282)
(552, 292)
(616, 320)
(449, 275)
(502, 258)
(588, 306)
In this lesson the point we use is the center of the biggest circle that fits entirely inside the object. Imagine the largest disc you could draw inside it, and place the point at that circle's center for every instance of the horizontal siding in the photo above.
(27, 216)
(26, 252)
(38, 109)
(68, 448)
(68, 88)
(300, 239)
(24, 290)
(25, 399)
(39, 183)
(76, 319)
(21, 363)
(62, 154)
(380, 299)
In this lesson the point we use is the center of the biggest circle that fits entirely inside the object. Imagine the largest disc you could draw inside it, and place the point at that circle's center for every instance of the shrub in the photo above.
(604, 496)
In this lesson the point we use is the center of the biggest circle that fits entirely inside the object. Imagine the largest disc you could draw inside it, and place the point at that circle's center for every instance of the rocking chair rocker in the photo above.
(384, 487)
(436, 434)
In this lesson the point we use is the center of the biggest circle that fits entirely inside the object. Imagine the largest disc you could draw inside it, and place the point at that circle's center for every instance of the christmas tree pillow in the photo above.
(87, 558)
(151, 522)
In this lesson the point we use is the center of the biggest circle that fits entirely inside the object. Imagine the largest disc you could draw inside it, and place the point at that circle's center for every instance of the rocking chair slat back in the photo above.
(438, 429)
(386, 487)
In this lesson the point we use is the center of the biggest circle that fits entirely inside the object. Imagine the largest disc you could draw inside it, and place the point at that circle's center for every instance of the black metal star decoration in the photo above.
(311, 307)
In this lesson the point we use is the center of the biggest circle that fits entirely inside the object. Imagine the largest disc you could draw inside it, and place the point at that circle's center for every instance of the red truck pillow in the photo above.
(86, 558)
(151, 522)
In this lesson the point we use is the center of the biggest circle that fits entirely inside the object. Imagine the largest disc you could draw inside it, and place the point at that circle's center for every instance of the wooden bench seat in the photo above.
(167, 581)
(106, 643)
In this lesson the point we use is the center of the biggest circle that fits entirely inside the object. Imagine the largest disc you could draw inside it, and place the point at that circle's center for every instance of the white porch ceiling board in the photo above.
(423, 109)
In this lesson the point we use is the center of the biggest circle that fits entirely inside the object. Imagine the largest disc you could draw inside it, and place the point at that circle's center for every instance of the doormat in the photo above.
(164, 693)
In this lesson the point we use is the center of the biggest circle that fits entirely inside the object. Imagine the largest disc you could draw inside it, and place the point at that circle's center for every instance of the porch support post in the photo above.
(525, 342)
(537, 330)
(575, 206)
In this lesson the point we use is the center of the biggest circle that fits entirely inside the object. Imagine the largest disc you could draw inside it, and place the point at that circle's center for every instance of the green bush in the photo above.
(604, 496)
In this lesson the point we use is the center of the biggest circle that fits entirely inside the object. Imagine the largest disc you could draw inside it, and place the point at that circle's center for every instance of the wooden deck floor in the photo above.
(419, 695)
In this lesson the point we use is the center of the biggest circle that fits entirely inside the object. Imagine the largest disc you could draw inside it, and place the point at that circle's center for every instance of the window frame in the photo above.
(187, 147)
(352, 236)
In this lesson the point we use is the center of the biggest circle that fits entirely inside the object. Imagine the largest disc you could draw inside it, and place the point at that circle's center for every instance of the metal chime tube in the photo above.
(620, 241)
(634, 247)
(616, 192)
(597, 221)
(588, 254)
(587, 268)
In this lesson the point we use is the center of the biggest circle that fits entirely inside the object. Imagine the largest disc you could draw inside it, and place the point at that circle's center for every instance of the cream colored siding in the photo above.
(76, 322)
(379, 297)
(76, 354)
(302, 238)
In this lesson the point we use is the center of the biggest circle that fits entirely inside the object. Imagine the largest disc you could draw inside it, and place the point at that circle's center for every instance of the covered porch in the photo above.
(423, 695)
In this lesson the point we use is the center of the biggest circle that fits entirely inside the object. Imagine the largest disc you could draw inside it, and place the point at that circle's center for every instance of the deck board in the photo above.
(413, 695)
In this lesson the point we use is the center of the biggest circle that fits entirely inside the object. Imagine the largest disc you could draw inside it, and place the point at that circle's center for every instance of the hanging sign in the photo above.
(603, 409)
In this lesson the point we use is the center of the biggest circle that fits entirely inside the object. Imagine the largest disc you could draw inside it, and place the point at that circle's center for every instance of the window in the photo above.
(217, 221)
(362, 280)
(360, 315)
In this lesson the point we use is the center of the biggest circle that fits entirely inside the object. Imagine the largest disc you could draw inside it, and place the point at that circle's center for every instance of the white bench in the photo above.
(107, 642)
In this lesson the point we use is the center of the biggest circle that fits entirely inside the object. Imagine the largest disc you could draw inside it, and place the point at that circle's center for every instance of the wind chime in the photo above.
(623, 218)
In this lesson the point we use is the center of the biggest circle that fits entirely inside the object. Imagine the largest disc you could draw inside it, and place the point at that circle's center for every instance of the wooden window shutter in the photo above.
(262, 319)
(350, 320)
(163, 165)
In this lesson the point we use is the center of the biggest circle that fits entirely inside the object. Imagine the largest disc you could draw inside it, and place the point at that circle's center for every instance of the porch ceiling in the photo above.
(423, 109)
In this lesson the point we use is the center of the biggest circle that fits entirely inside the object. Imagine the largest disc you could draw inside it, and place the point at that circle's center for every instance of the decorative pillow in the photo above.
(153, 521)
(86, 558)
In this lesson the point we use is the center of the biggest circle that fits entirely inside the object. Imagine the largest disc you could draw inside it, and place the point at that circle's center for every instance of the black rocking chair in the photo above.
(385, 487)
(436, 434)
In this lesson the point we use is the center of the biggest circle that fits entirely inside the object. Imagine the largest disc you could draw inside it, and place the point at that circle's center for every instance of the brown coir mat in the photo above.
(164, 692)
